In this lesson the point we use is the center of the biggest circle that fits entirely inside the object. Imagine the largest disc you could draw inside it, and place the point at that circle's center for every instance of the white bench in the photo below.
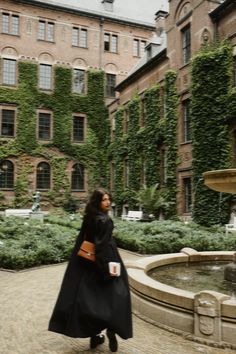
(230, 227)
(22, 213)
(133, 215)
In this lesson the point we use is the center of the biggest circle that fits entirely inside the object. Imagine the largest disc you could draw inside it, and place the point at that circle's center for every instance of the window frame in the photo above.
(50, 116)
(45, 78)
(79, 37)
(84, 82)
(9, 76)
(186, 121)
(12, 28)
(7, 108)
(110, 42)
(46, 174)
(187, 195)
(139, 48)
(47, 32)
(186, 44)
(110, 89)
(75, 187)
(9, 176)
(77, 116)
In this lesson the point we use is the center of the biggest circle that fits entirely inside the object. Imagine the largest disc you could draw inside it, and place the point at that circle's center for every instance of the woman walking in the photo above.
(92, 298)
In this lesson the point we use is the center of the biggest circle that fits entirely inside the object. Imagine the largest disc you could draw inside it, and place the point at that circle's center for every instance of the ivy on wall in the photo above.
(141, 145)
(171, 116)
(211, 85)
(118, 153)
(153, 135)
(63, 103)
(134, 158)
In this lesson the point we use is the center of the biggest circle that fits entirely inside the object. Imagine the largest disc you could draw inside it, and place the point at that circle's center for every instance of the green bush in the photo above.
(28, 243)
(160, 237)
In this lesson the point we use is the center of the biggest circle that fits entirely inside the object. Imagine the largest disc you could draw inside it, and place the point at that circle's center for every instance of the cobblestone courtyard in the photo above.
(26, 302)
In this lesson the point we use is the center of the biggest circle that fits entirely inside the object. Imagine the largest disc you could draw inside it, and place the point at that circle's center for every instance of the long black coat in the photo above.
(91, 300)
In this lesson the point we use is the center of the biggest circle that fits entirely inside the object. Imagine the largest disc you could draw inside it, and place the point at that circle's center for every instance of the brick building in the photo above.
(41, 44)
(180, 33)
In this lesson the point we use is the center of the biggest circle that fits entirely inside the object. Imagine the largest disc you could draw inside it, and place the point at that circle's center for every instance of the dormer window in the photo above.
(108, 5)
(149, 52)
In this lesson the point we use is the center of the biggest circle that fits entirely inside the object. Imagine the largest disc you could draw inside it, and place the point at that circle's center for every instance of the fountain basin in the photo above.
(207, 316)
(221, 180)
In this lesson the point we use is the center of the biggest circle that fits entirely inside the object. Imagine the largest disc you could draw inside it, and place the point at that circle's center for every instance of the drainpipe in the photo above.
(101, 42)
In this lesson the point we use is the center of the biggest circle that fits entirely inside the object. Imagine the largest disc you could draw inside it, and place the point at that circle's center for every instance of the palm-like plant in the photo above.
(153, 200)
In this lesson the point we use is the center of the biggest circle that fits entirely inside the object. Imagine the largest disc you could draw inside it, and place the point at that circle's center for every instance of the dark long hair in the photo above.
(94, 204)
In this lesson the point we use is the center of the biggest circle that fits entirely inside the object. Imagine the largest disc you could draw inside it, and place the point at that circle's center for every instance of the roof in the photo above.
(135, 11)
(225, 7)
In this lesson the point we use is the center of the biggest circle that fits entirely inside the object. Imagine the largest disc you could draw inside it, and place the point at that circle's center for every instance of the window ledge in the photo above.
(186, 142)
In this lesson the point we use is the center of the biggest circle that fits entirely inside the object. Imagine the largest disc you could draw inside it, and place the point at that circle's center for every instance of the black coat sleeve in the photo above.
(105, 247)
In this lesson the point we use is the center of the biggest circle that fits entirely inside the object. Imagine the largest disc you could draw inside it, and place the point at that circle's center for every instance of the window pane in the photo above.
(110, 85)
(77, 179)
(45, 73)
(79, 81)
(135, 47)
(187, 130)
(78, 129)
(187, 195)
(43, 176)
(114, 44)
(106, 42)
(15, 25)
(50, 36)
(8, 121)
(41, 30)
(6, 175)
(5, 23)
(75, 36)
(9, 72)
(83, 38)
(142, 48)
(186, 45)
(44, 126)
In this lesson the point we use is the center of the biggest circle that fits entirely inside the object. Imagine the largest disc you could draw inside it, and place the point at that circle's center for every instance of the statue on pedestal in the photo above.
(36, 205)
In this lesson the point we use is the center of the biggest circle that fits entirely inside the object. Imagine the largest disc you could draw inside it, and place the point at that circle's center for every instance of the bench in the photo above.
(22, 213)
(133, 215)
(230, 227)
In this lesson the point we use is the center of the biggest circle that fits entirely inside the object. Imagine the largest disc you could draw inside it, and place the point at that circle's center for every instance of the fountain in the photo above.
(207, 316)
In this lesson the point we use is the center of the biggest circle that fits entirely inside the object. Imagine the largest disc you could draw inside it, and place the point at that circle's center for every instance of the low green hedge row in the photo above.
(160, 237)
(27, 243)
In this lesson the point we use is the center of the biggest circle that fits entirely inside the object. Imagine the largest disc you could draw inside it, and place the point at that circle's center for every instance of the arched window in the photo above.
(77, 178)
(43, 176)
(6, 175)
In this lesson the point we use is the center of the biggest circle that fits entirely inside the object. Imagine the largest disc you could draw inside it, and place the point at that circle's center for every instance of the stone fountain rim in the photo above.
(228, 171)
(148, 288)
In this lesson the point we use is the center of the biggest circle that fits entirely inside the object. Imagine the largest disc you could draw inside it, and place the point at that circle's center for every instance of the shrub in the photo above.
(28, 243)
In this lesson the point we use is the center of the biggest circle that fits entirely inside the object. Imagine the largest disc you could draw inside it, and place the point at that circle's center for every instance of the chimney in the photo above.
(108, 5)
(160, 21)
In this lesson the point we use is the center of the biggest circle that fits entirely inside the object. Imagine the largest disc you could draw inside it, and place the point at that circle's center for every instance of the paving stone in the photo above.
(26, 302)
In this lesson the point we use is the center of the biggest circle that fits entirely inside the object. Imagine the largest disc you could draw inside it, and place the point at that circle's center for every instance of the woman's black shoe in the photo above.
(96, 340)
(113, 345)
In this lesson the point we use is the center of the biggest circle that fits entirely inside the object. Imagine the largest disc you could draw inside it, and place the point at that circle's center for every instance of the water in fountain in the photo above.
(195, 277)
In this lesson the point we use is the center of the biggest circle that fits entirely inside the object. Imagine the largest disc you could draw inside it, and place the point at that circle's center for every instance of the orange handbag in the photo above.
(87, 251)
